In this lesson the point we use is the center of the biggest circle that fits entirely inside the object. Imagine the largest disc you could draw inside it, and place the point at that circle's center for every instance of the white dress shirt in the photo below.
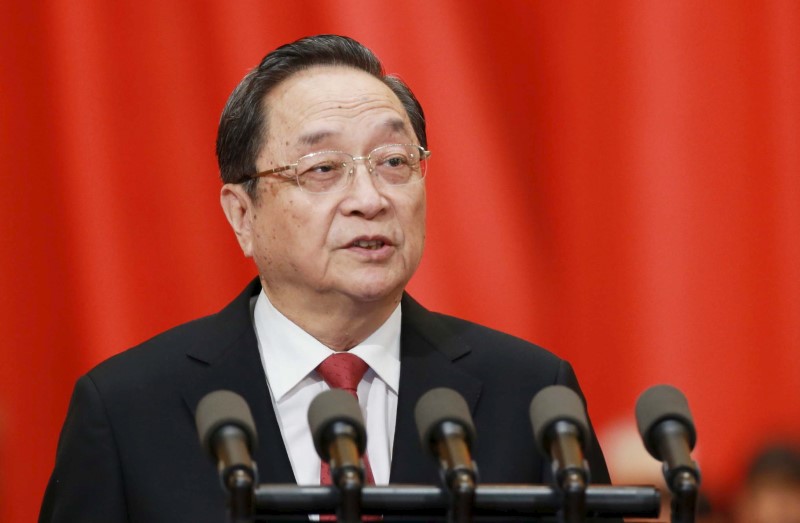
(290, 356)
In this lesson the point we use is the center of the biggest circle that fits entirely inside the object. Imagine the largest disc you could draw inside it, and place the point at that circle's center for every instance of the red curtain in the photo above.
(618, 181)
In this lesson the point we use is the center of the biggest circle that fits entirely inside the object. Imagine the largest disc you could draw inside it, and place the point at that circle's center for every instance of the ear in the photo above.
(239, 209)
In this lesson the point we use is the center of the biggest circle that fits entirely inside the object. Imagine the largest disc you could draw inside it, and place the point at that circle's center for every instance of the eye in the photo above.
(322, 164)
(393, 156)
(323, 168)
(323, 172)
(396, 161)
(319, 172)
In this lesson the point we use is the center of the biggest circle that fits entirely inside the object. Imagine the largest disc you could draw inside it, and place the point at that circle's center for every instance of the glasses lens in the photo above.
(325, 171)
(398, 164)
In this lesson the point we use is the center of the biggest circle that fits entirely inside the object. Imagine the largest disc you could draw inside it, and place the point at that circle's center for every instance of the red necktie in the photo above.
(344, 371)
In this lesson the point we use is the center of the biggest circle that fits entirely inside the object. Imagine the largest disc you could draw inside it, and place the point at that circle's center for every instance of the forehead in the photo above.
(330, 102)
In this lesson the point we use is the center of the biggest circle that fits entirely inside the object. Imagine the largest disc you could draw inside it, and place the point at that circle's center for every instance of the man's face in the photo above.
(362, 243)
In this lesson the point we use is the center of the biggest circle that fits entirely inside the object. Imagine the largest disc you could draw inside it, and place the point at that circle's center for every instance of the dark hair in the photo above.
(243, 125)
(777, 462)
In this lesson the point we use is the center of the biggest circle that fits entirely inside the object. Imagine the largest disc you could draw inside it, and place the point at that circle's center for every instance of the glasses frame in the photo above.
(424, 154)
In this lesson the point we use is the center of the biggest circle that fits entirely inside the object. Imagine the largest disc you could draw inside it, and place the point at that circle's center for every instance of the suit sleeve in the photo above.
(86, 484)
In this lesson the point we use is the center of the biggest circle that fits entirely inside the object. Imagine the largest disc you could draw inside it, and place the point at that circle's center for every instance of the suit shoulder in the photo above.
(157, 362)
(173, 340)
(203, 339)
(491, 343)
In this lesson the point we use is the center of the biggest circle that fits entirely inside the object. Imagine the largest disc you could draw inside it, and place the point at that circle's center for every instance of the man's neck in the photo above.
(338, 322)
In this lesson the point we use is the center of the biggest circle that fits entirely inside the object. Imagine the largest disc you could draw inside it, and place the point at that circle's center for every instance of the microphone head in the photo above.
(223, 407)
(661, 403)
(330, 407)
(438, 406)
(557, 403)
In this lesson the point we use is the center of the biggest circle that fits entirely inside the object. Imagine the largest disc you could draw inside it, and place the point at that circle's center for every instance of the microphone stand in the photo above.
(574, 490)
(573, 478)
(240, 479)
(346, 474)
(462, 492)
(241, 500)
(684, 498)
(505, 501)
(349, 508)
(680, 473)
(460, 473)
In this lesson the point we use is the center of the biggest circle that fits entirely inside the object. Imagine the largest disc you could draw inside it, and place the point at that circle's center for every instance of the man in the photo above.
(770, 491)
(323, 162)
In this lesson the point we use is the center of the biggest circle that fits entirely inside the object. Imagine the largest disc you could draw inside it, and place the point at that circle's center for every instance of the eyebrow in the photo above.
(311, 139)
(395, 124)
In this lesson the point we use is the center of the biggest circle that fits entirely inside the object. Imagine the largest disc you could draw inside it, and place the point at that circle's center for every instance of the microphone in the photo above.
(228, 433)
(561, 430)
(446, 430)
(667, 429)
(337, 428)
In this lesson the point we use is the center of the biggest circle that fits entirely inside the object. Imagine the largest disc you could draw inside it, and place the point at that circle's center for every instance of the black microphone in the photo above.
(228, 433)
(337, 428)
(667, 429)
(446, 430)
(561, 430)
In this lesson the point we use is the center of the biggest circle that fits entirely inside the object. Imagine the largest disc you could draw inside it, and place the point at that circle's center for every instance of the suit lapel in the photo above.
(428, 352)
(226, 356)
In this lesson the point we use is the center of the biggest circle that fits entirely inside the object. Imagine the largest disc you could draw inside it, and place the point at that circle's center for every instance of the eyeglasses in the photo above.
(332, 171)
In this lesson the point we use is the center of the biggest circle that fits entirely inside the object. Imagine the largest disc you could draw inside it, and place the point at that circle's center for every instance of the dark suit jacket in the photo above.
(129, 451)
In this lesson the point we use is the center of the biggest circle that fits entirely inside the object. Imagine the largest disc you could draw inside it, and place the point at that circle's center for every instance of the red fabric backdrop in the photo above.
(618, 181)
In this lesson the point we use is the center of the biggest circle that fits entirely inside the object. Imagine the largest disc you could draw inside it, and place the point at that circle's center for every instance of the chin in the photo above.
(375, 295)
(373, 284)
(367, 291)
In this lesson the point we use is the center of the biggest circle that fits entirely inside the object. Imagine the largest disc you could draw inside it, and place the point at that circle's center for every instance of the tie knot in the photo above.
(343, 371)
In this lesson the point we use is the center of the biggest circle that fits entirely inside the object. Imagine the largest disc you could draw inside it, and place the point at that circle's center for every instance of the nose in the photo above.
(362, 196)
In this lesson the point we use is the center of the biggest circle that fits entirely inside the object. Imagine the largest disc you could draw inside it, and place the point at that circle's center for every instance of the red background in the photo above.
(618, 181)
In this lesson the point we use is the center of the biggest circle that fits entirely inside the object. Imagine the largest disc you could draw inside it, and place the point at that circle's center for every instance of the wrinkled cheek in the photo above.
(262, 259)
(267, 251)
(420, 217)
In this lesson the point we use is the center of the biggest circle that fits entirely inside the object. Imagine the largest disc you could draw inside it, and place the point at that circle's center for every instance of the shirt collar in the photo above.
(290, 353)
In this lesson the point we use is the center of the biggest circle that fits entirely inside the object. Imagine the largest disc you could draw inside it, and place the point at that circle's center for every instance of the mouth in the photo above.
(371, 245)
